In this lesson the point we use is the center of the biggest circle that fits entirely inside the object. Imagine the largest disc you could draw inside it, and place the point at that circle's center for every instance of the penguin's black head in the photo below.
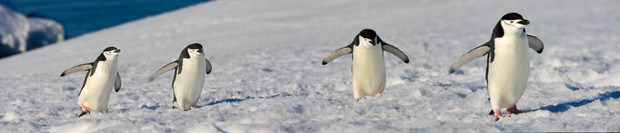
(109, 53)
(369, 35)
(112, 49)
(193, 50)
(511, 23)
(195, 46)
(514, 17)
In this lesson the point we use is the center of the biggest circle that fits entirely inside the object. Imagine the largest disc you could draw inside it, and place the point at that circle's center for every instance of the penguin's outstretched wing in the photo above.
(471, 55)
(339, 52)
(162, 70)
(81, 67)
(209, 67)
(117, 82)
(535, 43)
(395, 51)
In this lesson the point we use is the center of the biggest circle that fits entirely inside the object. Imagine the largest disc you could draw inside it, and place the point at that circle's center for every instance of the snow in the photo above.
(19, 33)
(267, 75)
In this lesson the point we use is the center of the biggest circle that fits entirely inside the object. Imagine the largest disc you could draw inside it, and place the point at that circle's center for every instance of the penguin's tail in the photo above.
(83, 113)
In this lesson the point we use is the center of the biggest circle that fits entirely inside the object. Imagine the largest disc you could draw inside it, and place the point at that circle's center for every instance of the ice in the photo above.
(19, 33)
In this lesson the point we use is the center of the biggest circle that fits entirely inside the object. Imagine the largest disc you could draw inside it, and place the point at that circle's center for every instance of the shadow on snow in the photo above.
(234, 100)
(563, 107)
(229, 100)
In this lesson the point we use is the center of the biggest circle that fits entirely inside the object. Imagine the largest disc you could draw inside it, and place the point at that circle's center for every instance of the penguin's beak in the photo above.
(199, 51)
(524, 22)
(117, 51)
(373, 43)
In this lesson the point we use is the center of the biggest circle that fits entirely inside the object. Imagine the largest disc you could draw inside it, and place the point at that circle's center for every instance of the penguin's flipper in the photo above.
(163, 69)
(535, 43)
(209, 67)
(396, 51)
(81, 67)
(339, 52)
(117, 82)
(471, 55)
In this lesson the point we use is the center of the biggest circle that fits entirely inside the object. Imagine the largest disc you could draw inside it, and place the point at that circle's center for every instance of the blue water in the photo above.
(83, 16)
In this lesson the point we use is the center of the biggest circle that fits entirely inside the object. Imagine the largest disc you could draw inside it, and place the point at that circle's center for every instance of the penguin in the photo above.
(101, 77)
(368, 68)
(190, 70)
(508, 62)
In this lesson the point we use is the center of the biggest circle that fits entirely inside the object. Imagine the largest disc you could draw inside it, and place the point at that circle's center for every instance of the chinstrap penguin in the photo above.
(508, 62)
(101, 77)
(368, 68)
(190, 70)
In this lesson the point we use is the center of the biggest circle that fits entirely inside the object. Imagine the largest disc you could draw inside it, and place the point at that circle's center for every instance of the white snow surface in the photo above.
(267, 73)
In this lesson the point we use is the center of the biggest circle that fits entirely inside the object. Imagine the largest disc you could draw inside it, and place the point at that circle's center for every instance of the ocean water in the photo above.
(83, 16)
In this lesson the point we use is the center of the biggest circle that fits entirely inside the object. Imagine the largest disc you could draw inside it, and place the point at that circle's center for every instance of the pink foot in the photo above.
(186, 108)
(378, 94)
(513, 110)
(85, 108)
(357, 99)
(497, 114)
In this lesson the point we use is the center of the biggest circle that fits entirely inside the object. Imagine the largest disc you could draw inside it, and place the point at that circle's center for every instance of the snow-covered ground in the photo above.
(19, 33)
(267, 74)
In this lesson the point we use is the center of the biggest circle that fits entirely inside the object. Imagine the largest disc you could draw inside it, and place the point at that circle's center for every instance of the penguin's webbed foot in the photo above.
(357, 99)
(497, 114)
(186, 108)
(85, 110)
(513, 110)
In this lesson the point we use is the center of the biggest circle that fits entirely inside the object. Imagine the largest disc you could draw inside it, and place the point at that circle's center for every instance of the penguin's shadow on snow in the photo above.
(563, 107)
(236, 100)
(228, 100)
(154, 107)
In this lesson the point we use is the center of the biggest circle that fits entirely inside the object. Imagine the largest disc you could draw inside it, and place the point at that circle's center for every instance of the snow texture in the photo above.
(20, 34)
(267, 73)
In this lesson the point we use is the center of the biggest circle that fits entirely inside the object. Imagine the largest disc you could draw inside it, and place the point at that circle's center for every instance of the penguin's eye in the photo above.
(511, 21)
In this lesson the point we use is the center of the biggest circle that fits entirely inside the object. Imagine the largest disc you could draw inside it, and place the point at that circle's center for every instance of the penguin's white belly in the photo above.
(509, 71)
(188, 85)
(368, 71)
(96, 92)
